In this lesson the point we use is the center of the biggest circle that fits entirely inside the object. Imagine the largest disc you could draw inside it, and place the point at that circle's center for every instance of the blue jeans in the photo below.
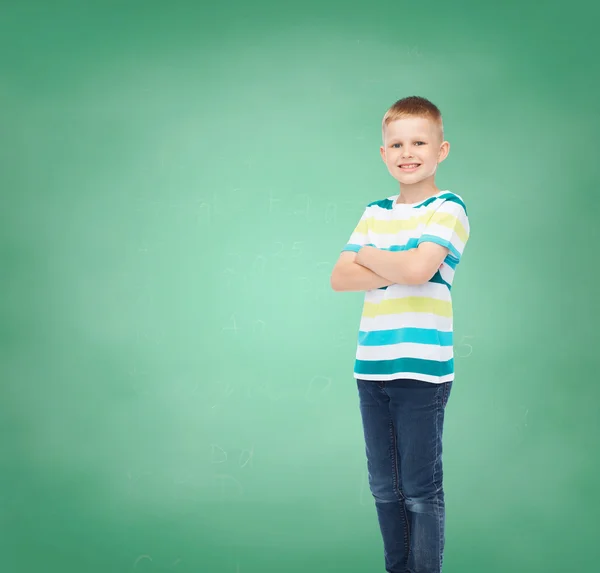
(402, 423)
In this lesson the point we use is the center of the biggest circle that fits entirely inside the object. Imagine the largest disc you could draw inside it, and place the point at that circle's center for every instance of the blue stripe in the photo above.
(439, 241)
(408, 334)
(412, 243)
(427, 202)
(437, 278)
(451, 261)
(444, 197)
(383, 203)
(388, 204)
(403, 366)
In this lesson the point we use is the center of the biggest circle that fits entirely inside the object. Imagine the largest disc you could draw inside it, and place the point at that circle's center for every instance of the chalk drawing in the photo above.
(234, 326)
(317, 387)
(246, 456)
(149, 558)
(466, 345)
(224, 479)
(141, 558)
(259, 265)
(223, 393)
(305, 210)
(331, 213)
(259, 327)
(278, 252)
(296, 249)
(272, 201)
(218, 454)
(205, 215)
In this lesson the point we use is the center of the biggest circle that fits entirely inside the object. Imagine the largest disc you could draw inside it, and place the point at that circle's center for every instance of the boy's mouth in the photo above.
(409, 166)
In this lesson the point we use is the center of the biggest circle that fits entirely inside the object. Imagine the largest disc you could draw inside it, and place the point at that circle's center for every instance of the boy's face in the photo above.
(412, 149)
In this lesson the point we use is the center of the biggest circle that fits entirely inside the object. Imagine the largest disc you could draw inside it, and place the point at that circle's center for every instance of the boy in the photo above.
(404, 253)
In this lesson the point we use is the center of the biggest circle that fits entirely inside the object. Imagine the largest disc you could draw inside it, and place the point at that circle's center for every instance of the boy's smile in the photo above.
(409, 167)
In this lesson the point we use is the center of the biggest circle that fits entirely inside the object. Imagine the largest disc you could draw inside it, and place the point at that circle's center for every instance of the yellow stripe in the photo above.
(362, 227)
(408, 304)
(392, 227)
(451, 222)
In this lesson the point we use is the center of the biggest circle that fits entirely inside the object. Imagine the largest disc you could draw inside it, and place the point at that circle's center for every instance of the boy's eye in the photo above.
(416, 143)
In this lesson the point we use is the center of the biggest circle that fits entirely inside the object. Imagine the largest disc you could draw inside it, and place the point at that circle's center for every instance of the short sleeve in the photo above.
(360, 236)
(448, 227)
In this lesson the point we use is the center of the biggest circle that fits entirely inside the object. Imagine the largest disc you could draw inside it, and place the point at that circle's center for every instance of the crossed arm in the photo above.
(373, 268)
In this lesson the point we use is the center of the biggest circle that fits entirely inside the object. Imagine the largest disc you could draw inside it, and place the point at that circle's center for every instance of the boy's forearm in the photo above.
(398, 267)
(355, 277)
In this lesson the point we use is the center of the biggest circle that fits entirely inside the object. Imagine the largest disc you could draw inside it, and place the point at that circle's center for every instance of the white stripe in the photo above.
(433, 204)
(412, 375)
(396, 291)
(399, 239)
(405, 350)
(447, 273)
(406, 320)
(358, 239)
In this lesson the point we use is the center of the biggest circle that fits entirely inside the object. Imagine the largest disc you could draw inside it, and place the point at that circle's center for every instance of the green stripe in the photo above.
(427, 202)
(383, 203)
(437, 278)
(388, 204)
(404, 366)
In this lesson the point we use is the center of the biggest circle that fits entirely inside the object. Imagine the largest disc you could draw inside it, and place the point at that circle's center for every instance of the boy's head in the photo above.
(413, 140)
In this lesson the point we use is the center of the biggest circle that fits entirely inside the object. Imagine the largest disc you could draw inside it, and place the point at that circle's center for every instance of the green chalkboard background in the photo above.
(177, 180)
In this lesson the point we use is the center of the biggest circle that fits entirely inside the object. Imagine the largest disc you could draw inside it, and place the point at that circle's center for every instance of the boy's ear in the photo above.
(382, 152)
(444, 150)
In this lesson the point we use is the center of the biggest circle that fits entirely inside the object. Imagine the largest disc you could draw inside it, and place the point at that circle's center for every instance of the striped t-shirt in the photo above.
(406, 330)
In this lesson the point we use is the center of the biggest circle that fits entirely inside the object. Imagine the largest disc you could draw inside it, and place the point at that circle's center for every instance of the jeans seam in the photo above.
(395, 461)
(435, 468)
(397, 488)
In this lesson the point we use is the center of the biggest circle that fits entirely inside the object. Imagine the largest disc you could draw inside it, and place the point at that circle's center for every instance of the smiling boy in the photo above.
(403, 253)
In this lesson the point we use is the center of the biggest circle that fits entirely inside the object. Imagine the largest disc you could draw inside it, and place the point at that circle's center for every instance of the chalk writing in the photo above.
(246, 457)
(317, 387)
(218, 454)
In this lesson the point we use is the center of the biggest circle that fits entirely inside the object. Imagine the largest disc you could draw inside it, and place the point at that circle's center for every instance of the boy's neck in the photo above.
(414, 194)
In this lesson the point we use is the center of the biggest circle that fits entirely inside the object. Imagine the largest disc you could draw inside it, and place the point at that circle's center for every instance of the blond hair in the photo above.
(413, 106)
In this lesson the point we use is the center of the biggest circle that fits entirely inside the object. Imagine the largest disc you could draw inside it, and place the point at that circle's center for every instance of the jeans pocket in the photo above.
(446, 394)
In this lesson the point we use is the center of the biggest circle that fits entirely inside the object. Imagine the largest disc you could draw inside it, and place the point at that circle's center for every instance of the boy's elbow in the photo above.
(415, 279)
(419, 275)
(409, 270)
(338, 284)
(334, 281)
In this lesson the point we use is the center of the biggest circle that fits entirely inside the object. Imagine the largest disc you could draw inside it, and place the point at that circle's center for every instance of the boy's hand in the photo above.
(363, 255)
